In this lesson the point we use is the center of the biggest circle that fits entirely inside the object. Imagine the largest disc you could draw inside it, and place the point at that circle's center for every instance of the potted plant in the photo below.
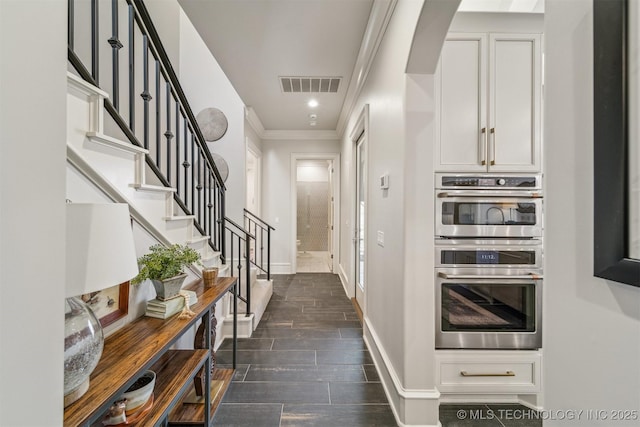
(164, 267)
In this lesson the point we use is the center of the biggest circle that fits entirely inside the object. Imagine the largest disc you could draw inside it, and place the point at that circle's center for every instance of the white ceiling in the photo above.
(257, 41)
(515, 6)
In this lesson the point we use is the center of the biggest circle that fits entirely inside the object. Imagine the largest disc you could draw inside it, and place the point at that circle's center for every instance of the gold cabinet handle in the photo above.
(483, 148)
(493, 137)
(498, 374)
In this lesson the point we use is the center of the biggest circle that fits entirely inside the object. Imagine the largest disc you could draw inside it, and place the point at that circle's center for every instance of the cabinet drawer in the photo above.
(480, 373)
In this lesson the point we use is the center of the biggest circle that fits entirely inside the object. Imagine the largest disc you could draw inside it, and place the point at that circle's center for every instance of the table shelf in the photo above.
(145, 344)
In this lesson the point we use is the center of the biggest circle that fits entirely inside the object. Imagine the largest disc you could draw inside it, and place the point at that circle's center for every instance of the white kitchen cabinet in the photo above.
(488, 92)
(488, 371)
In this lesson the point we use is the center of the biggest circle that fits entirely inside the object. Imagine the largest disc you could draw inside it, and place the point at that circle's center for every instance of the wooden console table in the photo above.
(145, 344)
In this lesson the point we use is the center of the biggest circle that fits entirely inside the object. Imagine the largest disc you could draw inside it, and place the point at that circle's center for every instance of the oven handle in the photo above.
(529, 276)
(480, 195)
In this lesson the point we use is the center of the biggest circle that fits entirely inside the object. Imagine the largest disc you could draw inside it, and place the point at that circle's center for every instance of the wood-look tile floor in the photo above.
(306, 363)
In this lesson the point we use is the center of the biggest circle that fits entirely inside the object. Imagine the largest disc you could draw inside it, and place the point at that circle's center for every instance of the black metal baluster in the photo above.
(185, 164)
(232, 269)
(71, 23)
(145, 95)
(268, 253)
(209, 206)
(95, 56)
(193, 174)
(168, 134)
(261, 246)
(222, 207)
(132, 68)
(116, 45)
(177, 145)
(247, 249)
(239, 261)
(199, 187)
(158, 113)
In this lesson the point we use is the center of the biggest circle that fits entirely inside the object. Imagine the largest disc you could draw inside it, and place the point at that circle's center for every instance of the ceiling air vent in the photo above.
(310, 84)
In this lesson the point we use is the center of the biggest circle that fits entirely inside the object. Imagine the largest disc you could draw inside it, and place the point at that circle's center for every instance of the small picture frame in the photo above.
(109, 305)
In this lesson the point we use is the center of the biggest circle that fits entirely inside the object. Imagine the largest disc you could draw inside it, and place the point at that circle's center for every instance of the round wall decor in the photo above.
(221, 164)
(213, 123)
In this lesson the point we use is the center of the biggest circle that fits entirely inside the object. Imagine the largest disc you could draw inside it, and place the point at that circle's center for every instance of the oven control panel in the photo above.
(488, 181)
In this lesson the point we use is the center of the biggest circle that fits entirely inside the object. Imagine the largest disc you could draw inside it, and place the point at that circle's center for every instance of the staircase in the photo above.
(148, 152)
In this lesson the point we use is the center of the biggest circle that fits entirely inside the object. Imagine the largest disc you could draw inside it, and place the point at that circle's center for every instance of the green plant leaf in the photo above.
(165, 262)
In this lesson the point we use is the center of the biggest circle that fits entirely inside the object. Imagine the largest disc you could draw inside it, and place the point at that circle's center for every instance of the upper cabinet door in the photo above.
(488, 90)
(462, 97)
(514, 102)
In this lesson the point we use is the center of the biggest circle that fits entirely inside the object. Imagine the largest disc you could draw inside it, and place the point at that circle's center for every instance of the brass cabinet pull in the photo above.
(499, 374)
(483, 149)
(493, 134)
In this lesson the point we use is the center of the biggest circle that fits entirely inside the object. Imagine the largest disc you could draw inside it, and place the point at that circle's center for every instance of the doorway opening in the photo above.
(314, 216)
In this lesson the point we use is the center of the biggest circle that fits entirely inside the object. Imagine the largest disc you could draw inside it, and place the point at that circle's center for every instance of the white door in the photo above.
(253, 182)
(360, 222)
(330, 217)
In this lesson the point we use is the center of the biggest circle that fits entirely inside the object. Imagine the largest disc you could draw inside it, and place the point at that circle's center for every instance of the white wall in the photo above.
(312, 172)
(276, 192)
(165, 15)
(32, 210)
(206, 85)
(398, 145)
(592, 326)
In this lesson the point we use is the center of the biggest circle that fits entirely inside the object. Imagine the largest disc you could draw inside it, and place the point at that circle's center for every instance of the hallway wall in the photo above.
(206, 86)
(592, 337)
(33, 84)
(276, 193)
(387, 320)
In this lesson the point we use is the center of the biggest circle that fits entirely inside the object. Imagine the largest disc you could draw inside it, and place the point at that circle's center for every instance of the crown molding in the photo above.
(379, 18)
(254, 121)
(300, 135)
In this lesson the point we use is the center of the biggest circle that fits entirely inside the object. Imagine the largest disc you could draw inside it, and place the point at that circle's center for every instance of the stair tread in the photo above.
(85, 87)
(148, 187)
(210, 256)
(178, 217)
(198, 239)
(115, 143)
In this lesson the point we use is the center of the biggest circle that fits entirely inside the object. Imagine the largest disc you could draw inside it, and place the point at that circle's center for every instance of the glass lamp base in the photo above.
(83, 343)
(76, 394)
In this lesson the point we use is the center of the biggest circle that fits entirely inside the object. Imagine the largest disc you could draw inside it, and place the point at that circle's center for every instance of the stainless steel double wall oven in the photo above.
(488, 261)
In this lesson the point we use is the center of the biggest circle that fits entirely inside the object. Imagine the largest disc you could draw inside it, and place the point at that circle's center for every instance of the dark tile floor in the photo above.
(489, 415)
(307, 365)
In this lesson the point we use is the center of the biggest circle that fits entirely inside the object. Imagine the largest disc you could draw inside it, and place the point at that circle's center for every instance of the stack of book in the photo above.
(165, 309)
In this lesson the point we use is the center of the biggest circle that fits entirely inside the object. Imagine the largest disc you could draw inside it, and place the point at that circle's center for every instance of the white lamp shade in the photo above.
(100, 248)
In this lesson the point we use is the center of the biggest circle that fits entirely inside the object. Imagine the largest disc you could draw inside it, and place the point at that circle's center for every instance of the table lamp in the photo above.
(100, 254)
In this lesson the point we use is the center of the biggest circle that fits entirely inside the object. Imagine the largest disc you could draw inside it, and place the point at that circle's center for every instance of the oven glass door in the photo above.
(488, 307)
(490, 312)
(489, 217)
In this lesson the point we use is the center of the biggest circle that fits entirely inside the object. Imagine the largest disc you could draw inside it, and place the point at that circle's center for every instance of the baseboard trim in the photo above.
(407, 405)
(281, 268)
(358, 310)
(345, 282)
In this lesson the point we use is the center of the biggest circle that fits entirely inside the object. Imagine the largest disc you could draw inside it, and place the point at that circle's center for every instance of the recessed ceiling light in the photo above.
(312, 123)
(312, 103)
(313, 116)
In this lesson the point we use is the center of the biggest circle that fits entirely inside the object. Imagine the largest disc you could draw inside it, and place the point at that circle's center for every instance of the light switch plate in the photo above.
(381, 238)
